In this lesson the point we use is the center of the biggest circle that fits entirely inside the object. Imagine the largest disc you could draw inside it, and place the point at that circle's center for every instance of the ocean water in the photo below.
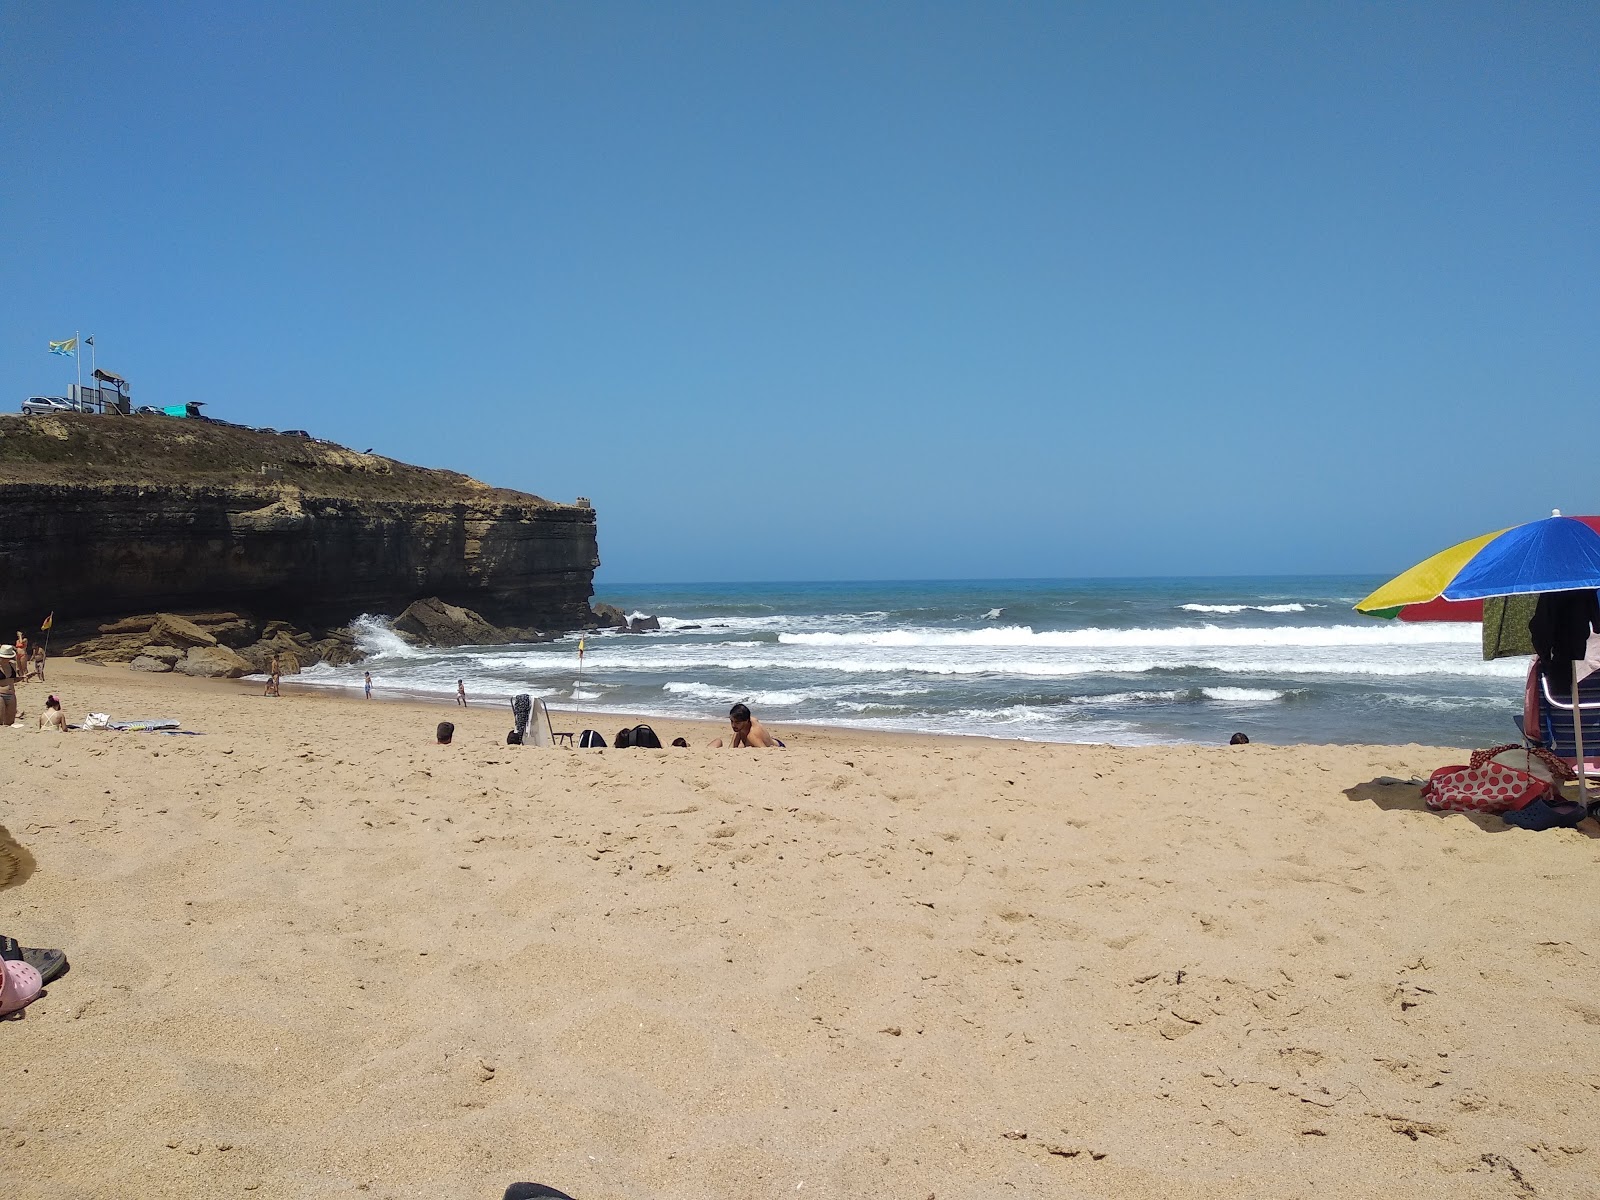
(1125, 661)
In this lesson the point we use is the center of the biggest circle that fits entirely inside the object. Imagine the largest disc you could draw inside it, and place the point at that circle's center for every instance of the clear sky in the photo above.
(833, 291)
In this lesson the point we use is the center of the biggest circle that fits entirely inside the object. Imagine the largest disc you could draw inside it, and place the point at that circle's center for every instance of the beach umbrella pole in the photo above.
(1577, 738)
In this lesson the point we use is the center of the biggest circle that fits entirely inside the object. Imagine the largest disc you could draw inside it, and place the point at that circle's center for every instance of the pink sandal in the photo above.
(19, 984)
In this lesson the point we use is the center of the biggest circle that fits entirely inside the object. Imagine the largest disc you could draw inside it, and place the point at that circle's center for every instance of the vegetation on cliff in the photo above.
(82, 448)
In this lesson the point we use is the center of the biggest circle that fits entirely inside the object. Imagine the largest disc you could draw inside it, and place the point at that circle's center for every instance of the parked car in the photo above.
(35, 405)
(147, 410)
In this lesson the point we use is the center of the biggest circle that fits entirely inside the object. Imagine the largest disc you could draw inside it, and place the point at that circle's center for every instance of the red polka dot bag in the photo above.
(1483, 786)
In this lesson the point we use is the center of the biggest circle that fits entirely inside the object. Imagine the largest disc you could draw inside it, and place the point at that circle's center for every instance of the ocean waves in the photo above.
(1372, 634)
(1122, 661)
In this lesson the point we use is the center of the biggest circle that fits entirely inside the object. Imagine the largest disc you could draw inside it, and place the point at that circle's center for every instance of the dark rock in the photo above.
(113, 648)
(432, 622)
(230, 629)
(644, 624)
(172, 630)
(130, 624)
(609, 616)
(214, 662)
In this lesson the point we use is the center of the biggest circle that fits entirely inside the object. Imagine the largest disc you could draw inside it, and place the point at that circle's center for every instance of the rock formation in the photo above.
(432, 622)
(106, 516)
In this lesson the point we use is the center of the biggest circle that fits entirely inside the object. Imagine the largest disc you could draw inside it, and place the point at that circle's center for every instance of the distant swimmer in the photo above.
(747, 732)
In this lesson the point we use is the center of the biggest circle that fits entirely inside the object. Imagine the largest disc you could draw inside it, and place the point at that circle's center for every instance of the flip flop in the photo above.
(51, 964)
(534, 1191)
(19, 984)
(10, 951)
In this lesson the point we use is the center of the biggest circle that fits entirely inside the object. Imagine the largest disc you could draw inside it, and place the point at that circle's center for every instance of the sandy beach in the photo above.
(314, 954)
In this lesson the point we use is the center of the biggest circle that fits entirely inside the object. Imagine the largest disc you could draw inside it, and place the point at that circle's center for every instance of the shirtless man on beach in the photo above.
(747, 732)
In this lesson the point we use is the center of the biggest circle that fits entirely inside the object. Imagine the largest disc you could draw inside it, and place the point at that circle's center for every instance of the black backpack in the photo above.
(645, 738)
(592, 739)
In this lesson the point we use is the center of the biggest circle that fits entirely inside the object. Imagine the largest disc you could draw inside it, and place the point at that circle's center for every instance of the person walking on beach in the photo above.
(38, 663)
(22, 657)
(368, 685)
(8, 685)
(461, 692)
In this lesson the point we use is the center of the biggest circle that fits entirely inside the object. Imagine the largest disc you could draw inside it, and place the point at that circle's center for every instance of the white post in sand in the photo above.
(1577, 738)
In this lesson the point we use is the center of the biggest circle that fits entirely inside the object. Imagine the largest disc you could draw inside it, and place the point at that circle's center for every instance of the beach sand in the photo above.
(314, 954)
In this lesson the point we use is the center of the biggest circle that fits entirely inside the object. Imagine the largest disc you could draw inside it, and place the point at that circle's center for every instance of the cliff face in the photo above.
(102, 516)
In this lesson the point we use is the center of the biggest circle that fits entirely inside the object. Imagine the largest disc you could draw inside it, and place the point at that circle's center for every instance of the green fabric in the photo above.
(1505, 626)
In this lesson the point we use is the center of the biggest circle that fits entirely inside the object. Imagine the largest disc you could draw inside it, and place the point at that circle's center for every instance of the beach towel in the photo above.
(1483, 785)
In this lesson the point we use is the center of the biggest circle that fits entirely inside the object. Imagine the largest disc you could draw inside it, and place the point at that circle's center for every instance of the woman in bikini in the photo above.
(8, 685)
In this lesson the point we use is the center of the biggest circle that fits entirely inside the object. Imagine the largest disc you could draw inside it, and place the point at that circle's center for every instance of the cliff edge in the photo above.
(105, 516)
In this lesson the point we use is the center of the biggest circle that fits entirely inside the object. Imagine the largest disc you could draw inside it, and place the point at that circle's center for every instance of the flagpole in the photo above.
(77, 357)
(93, 364)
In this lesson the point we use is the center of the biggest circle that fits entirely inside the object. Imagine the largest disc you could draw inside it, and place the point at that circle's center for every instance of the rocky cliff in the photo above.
(104, 516)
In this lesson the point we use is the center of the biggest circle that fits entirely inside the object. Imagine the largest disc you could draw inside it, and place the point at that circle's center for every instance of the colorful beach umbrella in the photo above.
(1556, 554)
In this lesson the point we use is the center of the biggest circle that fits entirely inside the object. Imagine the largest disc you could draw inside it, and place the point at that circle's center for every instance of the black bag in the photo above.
(592, 739)
(513, 738)
(645, 738)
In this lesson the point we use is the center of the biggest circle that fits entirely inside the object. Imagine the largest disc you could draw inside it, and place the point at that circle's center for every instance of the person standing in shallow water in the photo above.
(368, 685)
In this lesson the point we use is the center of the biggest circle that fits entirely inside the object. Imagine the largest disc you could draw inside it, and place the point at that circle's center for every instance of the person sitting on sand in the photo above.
(747, 732)
(51, 717)
(445, 732)
(272, 688)
(1238, 739)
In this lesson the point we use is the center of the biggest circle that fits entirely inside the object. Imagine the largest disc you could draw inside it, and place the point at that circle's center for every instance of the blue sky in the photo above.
(849, 291)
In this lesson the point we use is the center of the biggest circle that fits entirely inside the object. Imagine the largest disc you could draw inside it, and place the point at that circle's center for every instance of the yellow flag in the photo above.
(48, 621)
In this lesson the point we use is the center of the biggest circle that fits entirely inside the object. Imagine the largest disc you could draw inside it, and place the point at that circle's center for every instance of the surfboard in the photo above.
(539, 727)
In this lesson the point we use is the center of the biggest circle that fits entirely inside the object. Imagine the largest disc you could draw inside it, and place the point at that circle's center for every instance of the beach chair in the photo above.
(1555, 726)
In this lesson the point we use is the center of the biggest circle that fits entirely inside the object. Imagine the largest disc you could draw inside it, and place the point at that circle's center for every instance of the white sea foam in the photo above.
(1239, 608)
(377, 638)
(993, 614)
(1373, 634)
(1224, 695)
(727, 695)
